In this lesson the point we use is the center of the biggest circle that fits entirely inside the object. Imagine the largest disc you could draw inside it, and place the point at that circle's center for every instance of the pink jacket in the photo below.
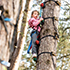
(33, 23)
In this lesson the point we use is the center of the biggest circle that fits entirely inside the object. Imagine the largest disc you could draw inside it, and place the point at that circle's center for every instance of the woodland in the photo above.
(15, 35)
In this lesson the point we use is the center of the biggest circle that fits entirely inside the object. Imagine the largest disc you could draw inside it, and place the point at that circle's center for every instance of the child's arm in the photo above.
(40, 20)
(36, 22)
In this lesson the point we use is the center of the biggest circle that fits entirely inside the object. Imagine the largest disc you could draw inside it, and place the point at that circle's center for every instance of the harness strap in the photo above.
(55, 37)
(51, 54)
(33, 33)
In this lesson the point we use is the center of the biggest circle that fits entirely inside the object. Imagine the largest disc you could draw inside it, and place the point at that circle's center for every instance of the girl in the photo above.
(34, 22)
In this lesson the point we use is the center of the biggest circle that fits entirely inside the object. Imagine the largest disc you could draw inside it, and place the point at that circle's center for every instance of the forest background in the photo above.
(15, 35)
(63, 51)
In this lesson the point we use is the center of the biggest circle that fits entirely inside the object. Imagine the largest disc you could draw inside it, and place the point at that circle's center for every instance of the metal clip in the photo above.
(53, 53)
(56, 35)
(56, 18)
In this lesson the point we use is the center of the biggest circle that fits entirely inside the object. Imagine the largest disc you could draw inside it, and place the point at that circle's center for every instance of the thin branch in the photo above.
(66, 29)
(67, 2)
(63, 56)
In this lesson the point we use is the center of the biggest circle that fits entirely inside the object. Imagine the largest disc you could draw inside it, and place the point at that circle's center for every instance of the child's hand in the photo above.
(41, 19)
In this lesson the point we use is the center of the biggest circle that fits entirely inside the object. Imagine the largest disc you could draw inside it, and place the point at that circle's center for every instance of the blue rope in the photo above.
(40, 11)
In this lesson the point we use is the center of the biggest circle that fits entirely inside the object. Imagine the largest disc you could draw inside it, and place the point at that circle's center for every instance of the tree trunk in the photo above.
(48, 44)
(20, 39)
(11, 8)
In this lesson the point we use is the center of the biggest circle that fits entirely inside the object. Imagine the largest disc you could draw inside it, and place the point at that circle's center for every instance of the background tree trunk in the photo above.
(20, 40)
(11, 9)
(48, 44)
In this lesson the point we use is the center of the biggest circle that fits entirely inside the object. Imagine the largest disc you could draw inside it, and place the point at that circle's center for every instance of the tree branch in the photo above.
(66, 29)
(63, 56)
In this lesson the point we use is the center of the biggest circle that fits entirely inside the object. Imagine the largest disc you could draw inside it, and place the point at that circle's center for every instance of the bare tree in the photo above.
(49, 34)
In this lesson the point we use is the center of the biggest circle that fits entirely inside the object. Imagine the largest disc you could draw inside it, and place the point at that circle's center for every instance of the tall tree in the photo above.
(15, 59)
(46, 60)
(8, 30)
(21, 40)
(6, 35)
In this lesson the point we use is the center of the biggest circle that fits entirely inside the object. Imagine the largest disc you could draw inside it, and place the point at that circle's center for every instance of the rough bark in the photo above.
(18, 51)
(48, 44)
(11, 8)
(20, 39)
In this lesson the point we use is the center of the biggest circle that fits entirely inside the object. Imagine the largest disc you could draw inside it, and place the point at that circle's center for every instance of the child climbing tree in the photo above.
(46, 59)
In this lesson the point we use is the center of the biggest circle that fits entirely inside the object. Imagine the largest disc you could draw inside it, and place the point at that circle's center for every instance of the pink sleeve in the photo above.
(31, 20)
(34, 21)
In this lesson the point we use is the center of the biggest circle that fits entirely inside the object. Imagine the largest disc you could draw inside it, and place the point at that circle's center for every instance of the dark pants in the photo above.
(35, 47)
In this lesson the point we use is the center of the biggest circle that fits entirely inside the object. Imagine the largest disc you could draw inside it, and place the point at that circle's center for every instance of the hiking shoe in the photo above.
(34, 57)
